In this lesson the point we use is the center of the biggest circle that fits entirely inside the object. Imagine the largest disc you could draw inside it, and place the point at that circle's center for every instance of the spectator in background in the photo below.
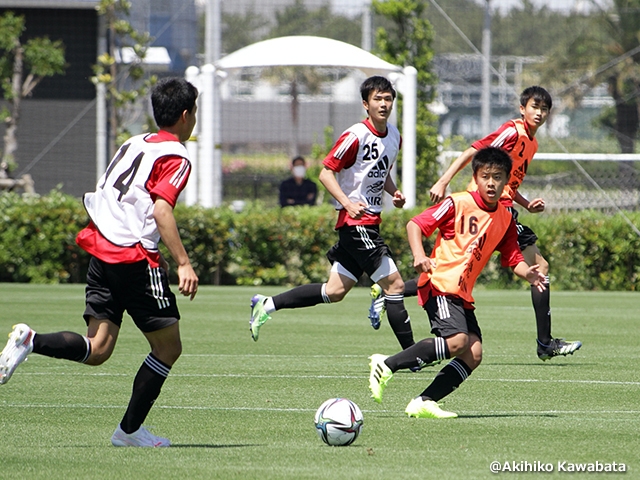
(298, 190)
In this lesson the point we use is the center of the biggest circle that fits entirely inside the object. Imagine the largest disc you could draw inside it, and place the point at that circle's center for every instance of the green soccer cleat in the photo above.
(379, 376)
(419, 408)
(557, 347)
(378, 306)
(258, 316)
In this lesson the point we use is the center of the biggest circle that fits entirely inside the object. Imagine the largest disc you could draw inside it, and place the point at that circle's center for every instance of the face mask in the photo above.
(299, 171)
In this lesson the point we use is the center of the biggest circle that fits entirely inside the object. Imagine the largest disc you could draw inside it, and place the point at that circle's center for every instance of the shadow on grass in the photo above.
(207, 445)
(509, 415)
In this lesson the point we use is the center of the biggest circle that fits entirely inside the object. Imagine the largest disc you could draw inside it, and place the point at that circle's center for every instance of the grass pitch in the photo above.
(236, 409)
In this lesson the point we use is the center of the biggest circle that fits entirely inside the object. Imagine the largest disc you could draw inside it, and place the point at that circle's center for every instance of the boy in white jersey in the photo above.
(130, 211)
(356, 173)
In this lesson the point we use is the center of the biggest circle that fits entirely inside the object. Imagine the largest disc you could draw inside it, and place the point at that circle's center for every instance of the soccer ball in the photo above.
(338, 422)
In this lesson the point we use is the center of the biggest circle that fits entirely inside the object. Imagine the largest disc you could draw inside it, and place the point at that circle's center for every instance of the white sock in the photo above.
(269, 307)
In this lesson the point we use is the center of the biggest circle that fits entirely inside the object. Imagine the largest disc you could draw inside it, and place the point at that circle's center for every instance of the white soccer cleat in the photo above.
(140, 438)
(20, 345)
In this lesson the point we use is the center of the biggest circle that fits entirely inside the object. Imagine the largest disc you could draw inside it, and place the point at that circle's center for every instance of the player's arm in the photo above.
(391, 188)
(530, 274)
(168, 229)
(328, 178)
(511, 256)
(534, 206)
(439, 189)
(421, 261)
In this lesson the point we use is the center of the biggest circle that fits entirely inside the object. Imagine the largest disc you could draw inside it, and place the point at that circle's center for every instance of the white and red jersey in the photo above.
(122, 228)
(362, 159)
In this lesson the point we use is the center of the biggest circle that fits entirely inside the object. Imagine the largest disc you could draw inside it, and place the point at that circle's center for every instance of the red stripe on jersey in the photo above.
(168, 178)
(344, 152)
(504, 137)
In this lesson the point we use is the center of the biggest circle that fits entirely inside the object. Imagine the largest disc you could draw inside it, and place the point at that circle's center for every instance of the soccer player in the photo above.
(356, 174)
(130, 211)
(517, 138)
(472, 225)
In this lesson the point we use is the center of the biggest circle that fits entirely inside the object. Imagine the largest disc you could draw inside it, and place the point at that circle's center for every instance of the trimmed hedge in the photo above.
(260, 246)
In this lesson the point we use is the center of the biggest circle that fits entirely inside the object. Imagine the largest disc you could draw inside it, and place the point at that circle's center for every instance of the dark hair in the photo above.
(169, 98)
(539, 94)
(491, 156)
(376, 83)
(299, 157)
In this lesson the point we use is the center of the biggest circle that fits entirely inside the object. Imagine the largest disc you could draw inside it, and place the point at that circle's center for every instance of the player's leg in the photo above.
(153, 308)
(447, 380)
(548, 346)
(378, 306)
(93, 349)
(340, 282)
(397, 314)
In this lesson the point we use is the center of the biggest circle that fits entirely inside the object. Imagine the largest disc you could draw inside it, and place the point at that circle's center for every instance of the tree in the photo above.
(23, 65)
(607, 51)
(126, 81)
(296, 19)
(405, 39)
(240, 30)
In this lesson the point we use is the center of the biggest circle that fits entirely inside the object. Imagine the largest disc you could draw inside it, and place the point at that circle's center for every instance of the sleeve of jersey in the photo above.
(168, 178)
(440, 216)
(344, 152)
(504, 137)
(510, 254)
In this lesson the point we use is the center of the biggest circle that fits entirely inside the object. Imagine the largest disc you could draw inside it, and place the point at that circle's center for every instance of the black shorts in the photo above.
(135, 287)
(526, 236)
(448, 316)
(359, 249)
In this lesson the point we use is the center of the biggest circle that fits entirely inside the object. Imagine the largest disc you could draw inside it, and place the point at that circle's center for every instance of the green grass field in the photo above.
(236, 409)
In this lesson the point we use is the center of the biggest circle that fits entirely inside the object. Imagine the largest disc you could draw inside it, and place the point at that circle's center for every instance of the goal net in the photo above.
(574, 181)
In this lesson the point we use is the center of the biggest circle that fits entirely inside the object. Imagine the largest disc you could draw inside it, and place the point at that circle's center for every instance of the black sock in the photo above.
(411, 288)
(302, 296)
(146, 388)
(447, 380)
(399, 319)
(423, 353)
(66, 345)
(542, 309)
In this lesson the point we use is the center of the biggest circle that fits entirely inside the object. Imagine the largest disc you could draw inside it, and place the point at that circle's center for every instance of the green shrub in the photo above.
(261, 246)
(37, 239)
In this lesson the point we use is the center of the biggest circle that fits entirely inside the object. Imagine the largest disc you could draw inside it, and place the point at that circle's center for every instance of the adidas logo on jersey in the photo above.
(380, 168)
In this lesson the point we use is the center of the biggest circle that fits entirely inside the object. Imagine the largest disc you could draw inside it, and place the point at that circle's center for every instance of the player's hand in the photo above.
(438, 192)
(398, 199)
(536, 205)
(188, 285)
(355, 210)
(423, 264)
(535, 278)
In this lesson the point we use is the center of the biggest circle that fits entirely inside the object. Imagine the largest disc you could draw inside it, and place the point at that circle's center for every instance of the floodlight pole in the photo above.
(409, 115)
(485, 108)
(210, 185)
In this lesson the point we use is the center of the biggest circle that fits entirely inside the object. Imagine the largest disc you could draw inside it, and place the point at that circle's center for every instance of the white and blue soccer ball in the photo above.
(338, 422)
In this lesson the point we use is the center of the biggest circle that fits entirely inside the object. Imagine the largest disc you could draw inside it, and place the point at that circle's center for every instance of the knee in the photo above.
(336, 297)
(99, 355)
(168, 352)
(458, 344)
(543, 266)
(475, 359)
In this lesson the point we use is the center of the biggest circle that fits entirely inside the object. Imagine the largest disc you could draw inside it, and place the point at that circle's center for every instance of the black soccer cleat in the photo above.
(557, 347)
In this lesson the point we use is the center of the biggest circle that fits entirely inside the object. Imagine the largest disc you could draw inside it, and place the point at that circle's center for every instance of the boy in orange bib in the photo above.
(471, 226)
